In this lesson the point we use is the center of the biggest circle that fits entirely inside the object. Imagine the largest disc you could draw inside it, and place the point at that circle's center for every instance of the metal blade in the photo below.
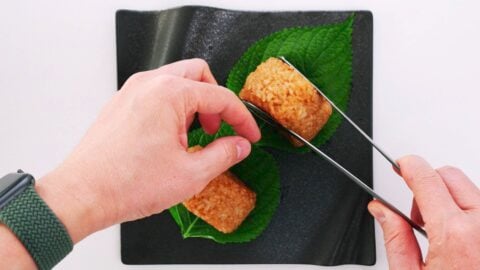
(271, 121)
(369, 139)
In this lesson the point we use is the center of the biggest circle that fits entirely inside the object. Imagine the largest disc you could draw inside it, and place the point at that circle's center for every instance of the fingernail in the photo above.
(243, 149)
(377, 213)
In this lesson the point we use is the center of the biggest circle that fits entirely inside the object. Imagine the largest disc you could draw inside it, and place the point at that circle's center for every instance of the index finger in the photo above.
(219, 100)
(430, 192)
(211, 99)
(195, 69)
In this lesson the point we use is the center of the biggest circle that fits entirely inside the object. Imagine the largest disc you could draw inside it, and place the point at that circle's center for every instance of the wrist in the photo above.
(78, 206)
(16, 256)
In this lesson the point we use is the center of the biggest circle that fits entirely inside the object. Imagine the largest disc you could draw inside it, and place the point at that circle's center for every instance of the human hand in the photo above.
(447, 204)
(133, 162)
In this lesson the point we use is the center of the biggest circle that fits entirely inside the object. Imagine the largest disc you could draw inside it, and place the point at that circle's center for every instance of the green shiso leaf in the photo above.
(259, 172)
(323, 54)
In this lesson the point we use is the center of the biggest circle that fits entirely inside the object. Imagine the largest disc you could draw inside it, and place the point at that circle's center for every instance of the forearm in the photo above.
(13, 253)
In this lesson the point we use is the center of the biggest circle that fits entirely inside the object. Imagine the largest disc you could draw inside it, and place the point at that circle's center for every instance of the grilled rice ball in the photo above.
(224, 203)
(278, 89)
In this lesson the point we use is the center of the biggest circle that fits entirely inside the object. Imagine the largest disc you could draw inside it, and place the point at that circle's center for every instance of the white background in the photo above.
(58, 67)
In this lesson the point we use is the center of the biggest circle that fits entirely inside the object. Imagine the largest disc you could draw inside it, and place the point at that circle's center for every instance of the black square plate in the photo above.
(322, 217)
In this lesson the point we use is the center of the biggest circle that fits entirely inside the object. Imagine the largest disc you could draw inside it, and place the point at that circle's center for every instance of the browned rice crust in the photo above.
(224, 203)
(282, 92)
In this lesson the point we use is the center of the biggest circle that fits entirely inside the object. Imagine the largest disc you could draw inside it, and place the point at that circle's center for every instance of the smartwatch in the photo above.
(32, 221)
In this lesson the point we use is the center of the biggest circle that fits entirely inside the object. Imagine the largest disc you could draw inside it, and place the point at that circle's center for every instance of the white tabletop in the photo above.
(58, 67)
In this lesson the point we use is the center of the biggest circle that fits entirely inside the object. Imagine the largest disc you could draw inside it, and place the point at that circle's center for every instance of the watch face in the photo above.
(13, 184)
(8, 181)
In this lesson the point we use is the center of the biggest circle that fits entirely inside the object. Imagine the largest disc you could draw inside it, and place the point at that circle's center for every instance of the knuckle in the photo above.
(192, 167)
(229, 93)
(200, 62)
(228, 97)
(197, 187)
(390, 239)
(190, 99)
(229, 152)
(167, 86)
(194, 177)
(137, 77)
(166, 80)
(450, 170)
(152, 206)
(425, 176)
(394, 243)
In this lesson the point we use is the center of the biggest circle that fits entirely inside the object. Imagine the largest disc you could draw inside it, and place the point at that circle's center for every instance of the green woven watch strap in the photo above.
(37, 227)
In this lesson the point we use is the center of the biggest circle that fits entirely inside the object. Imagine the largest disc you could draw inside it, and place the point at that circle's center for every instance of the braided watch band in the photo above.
(37, 227)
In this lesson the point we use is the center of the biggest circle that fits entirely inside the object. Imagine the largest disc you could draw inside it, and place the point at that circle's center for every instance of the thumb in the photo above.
(219, 156)
(402, 248)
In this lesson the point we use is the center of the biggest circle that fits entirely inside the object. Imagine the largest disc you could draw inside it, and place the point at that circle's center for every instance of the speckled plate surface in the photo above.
(322, 217)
